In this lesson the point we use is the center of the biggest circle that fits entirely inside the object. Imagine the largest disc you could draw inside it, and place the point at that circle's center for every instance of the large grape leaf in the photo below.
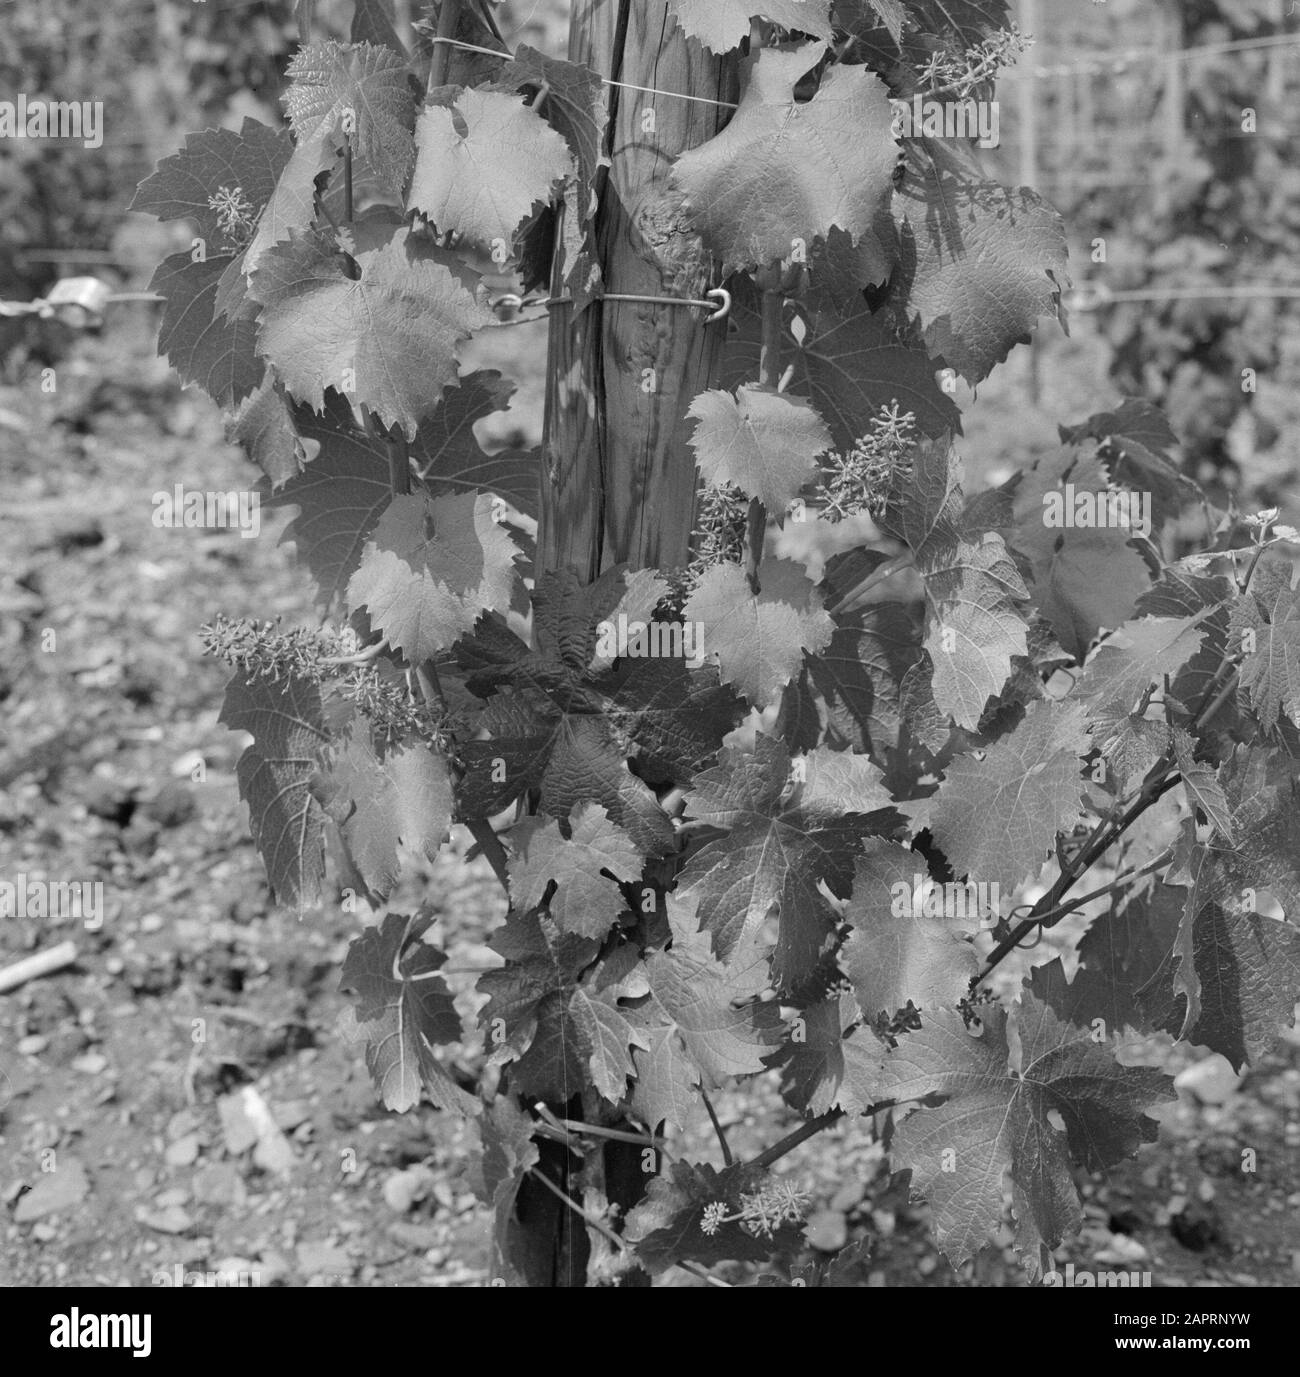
(431, 568)
(553, 1011)
(483, 160)
(996, 819)
(403, 1009)
(292, 204)
(896, 952)
(782, 172)
(388, 337)
(721, 25)
(975, 623)
(372, 22)
(576, 105)
(763, 442)
(276, 776)
(997, 1118)
(827, 1061)
(1140, 653)
(399, 794)
(759, 639)
(1084, 578)
(220, 180)
(791, 825)
(1269, 619)
(849, 363)
(980, 263)
(202, 345)
(360, 90)
(585, 901)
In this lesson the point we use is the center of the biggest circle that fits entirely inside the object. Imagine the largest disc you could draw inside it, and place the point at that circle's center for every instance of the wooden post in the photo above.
(619, 478)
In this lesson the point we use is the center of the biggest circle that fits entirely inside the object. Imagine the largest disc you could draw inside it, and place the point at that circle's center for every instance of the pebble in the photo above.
(184, 1152)
(90, 1063)
(319, 1257)
(44, 1233)
(404, 1189)
(178, 1195)
(827, 1231)
(33, 1045)
(171, 1220)
(151, 922)
(57, 1190)
(1212, 1081)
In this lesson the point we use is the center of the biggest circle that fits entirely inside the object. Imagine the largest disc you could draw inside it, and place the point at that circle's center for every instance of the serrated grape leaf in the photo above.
(576, 105)
(840, 269)
(721, 25)
(204, 347)
(1201, 782)
(264, 429)
(1182, 590)
(585, 901)
(781, 171)
(896, 951)
(372, 22)
(388, 337)
(759, 640)
(276, 775)
(220, 180)
(849, 363)
(980, 263)
(975, 624)
(1137, 445)
(960, 22)
(507, 1154)
(402, 1010)
(996, 819)
(359, 89)
(996, 1120)
(401, 794)
(292, 204)
(1141, 653)
(1268, 618)
(791, 825)
(826, 1066)
(762, 442)
(1084, 577)
(483, 160)
(431, 568)
(857, 15)
(559, 1023)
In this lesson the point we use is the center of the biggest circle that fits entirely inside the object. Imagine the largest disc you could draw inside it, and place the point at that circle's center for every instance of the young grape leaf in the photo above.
(764, 443)
(1182, 590)
(976, 625)
(483, 160)
(400, 794)
(997, 1118)
(576, 105)
(980, 263)
(1084, 577)
(402, 1010)
(201, 345)
(361, 90)
(220, 180)
(996, 820)
(585, 901)
(1141, 653)
(721, 25)
(387, 337)
(276, 775)
(791, 826)
(265, 430)
(292, 204)
(431, 568)
(782, 172)
(1266, 624)
(896, 951)
(759, 640)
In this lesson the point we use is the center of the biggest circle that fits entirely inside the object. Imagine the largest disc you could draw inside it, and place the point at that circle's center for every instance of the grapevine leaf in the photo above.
(576, 105)
(980, 263)
(202, 346)
(372, 22)
(431, 568)
(265, 429)
(823, 1068)
(508, 1153)
(292, 205)
(1201, 782)
(483, 162)
(854, 16)
(1141, 653)
(840, 269)
(1269, 619)
(402, 1010)
(1183, 591)
(975, 624)
(782, 171)
(1084, 577)
(997, 1119)
(996, 820)
(721, 25)
(215, 168)
(359, 89)
(764, 443)
(388, 336)
(961, 22)
(759, 639)
(402, 794)
(897, 952)
(585, 901)
(1137, 445)
(791, 826)
(276, 773)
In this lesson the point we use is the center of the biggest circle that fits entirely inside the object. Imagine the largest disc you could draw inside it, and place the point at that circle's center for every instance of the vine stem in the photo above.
(727, 1159)
(806, 1130)
(769, 376)
(440, 63)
